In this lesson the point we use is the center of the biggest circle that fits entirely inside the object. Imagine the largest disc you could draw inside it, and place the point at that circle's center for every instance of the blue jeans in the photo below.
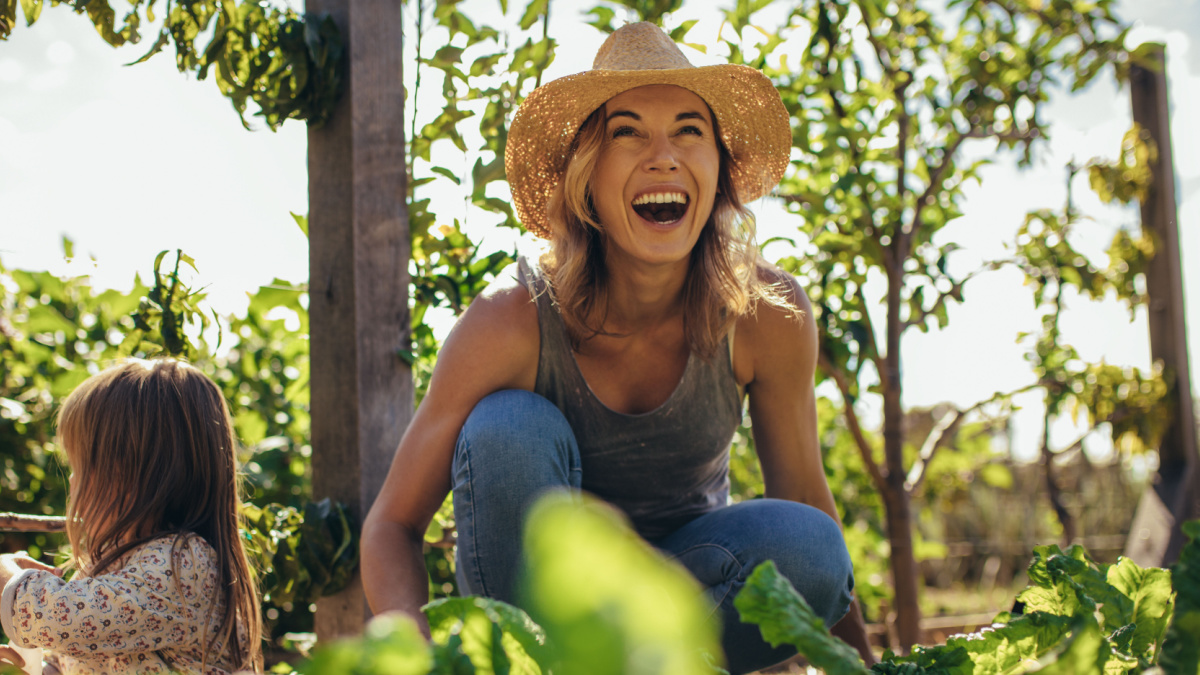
(516, 445)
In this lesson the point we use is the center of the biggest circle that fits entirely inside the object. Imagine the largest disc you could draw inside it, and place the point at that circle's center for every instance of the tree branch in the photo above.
(944, 431)
(19, 522)
(935, 179)
(954, 292)
(885, 61)
(864, 448)
(875, 356)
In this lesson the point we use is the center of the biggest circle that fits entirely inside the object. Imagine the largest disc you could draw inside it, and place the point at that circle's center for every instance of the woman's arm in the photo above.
(493, 347)
(781, 353)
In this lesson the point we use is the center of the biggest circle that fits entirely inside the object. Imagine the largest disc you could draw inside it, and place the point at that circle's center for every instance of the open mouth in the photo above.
(661, 207)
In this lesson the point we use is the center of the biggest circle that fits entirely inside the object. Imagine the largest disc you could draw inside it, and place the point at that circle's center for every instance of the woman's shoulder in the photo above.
(780, 332)
(508, 304)
(497, 339)
(782, 304)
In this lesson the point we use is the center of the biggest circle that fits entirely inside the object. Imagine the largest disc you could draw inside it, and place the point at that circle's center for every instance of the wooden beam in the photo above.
(362, 392)
(1155, 537)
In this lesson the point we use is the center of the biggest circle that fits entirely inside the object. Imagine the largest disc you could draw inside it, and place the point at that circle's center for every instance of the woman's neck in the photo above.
(641, 296)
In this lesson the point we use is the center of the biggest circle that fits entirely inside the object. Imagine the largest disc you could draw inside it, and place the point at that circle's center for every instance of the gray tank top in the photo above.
(662, 468)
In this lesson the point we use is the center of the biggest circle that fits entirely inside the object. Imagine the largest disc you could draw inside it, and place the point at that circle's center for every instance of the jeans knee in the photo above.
(812, 554)
(514, 433)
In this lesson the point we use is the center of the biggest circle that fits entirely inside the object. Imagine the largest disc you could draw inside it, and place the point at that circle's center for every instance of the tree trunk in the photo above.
(904, 566)
(1053, 490)
(896, 497)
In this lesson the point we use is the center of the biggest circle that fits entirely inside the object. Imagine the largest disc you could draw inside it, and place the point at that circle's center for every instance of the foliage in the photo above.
(770, 600)
(301, 555)
(605, 600)
(1181, 649)
(627, 609)
(494, 636)
(56, 332)
(1079, 617)
(1133, 404)
(290, 66)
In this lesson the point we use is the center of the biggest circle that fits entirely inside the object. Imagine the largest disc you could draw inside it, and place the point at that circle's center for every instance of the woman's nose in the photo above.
(661, 157)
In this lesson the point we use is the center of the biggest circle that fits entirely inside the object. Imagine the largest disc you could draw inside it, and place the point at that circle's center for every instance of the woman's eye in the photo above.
(622, 131)
(691, 130)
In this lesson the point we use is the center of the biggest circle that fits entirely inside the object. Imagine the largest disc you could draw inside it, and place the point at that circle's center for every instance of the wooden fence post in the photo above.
(362, 392)
(1155, 537)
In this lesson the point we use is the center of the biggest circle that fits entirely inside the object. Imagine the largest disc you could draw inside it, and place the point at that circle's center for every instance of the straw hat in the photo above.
(754, 124)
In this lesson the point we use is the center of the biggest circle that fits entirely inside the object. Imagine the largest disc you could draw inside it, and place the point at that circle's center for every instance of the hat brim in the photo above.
(753, 122)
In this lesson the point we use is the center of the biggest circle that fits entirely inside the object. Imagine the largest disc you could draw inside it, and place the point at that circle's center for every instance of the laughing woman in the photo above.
(618, 362)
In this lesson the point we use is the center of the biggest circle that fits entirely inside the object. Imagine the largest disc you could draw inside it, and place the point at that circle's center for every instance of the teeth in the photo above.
(661, 198)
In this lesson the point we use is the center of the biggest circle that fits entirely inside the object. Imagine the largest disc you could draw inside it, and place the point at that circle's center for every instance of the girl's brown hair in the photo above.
(723, 280)
(153, 454)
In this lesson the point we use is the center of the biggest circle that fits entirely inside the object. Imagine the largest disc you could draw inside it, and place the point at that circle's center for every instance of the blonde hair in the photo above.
(723, 281)
(152, 452)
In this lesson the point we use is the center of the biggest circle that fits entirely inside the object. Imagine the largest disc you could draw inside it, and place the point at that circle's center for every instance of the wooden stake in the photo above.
(1155, 537)
(362, 392)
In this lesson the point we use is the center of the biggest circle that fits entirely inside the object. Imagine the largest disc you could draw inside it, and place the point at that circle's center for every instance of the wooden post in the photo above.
(362, 392)
(1155, 537)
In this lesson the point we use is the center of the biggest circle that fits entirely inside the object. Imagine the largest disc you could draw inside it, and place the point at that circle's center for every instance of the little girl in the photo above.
(163, 583)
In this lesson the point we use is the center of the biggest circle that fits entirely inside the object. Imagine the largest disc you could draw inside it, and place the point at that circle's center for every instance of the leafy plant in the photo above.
(302, 554)
(1076, 617)
(290, 66)
(606, 602)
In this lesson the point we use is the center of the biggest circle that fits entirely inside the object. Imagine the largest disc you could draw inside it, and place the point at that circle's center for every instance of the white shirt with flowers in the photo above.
(138, 618)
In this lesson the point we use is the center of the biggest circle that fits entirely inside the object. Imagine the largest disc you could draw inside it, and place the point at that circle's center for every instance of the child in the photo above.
(163, 583)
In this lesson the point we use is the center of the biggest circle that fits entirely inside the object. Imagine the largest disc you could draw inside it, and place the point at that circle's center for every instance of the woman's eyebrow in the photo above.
(690, 115)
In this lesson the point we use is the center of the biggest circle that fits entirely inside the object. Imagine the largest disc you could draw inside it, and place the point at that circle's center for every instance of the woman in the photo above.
(618, 362)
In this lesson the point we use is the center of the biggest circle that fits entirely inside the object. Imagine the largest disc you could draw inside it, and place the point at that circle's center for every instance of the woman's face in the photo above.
(656, 176)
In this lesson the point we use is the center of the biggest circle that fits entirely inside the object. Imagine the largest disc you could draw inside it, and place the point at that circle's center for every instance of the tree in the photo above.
(884, 101)
(1134, 405)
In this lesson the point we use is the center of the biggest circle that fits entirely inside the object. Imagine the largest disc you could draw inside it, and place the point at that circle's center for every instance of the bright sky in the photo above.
(131, 161)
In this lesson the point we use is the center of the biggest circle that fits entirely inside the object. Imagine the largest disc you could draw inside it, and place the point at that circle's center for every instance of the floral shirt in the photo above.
(138, 618)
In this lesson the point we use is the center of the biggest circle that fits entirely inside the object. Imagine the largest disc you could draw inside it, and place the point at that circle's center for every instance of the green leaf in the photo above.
(1024, 639)
(1150, 592)
(609, 603)
(495, 636)
(443, 171)
(301, 222)
(32, 9)
(391, 644)
(533, 10)
(1181, 648)
(784, 617)
(1086, 652)
(940, 660)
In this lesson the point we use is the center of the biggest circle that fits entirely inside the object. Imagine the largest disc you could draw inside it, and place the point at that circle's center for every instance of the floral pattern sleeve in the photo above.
(142, 607)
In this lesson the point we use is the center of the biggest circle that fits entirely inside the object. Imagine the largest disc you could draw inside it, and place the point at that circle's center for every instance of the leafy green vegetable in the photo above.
(1181, 648)
(783, 615)
(496, 637)
(391, 644)
(608, 602)
(940, 660)
(1152, 599)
